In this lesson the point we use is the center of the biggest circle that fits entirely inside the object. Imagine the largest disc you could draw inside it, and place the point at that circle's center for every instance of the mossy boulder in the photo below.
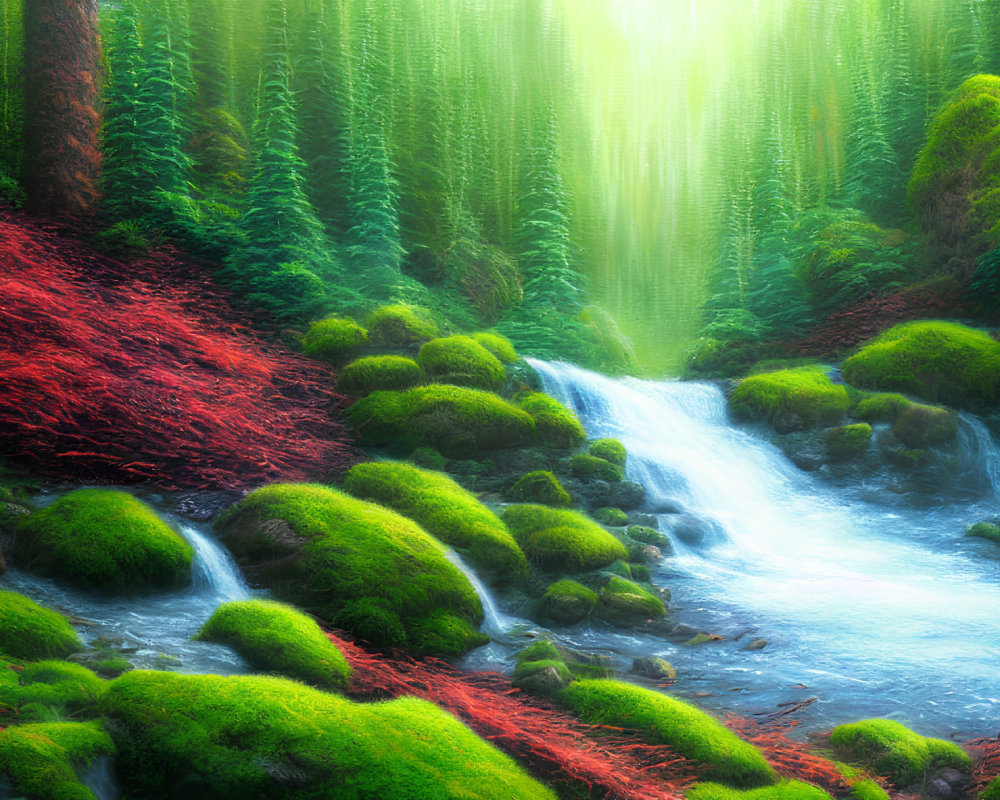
(206, 737)
(650, 536)
(984, 530)
(42, 760)
(443, 509)
(374, 373)
(610, 450)
(30, 632)
(920, 426)
(785, 790)
(51, 687)
(893, 750)
(278, 638)
(542, 487)
(333, 340)
(848, 441)
(555, 425)
(400, 325)
(612, 517)
(498, 345)
(456, 421)
(104, 539)
(882, 407)
(941, 362)
(624, 601)
(567, 602)
(868, 790)
(657, 669)
(541, 669)
(562, 540)
(662, 719)
(461, 361)
(587, 467)
(355, 564)
(790, 399)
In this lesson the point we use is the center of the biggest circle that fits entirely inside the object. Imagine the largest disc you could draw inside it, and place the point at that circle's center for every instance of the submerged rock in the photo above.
(656, 669)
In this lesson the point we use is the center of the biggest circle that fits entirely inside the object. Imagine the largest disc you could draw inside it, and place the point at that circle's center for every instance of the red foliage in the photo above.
(985, 763)
(548, 741)
(110, 377)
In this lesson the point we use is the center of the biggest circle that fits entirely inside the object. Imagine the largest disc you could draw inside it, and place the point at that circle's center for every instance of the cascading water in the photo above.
(875, 609)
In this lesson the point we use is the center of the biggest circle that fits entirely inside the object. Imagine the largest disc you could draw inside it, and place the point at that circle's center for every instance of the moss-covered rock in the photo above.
(942, 362)
(562, 540)
(848, 441)
(324, 550)
(662, 719)
(610, 450)
(375, 373)
(657, 669)
(567, 602)
(333, 340)
(31, 632)
(400, 325)
(105, 539)
(429, 458)
(205, 737)
(541, 669)
(586, 466)
(647, 535)
(790, 399)
(461, 361)
(498, 345)
(868, 790)
(984, 530)
(882, 407)
(48, 688)
(555, 425)
(442, 508)
(542, 487)
(786, 790)
(624, 601)
(893, 750)
(458, 422)
(612, 517)
(920, 426)
(277, 638)
(42, 760)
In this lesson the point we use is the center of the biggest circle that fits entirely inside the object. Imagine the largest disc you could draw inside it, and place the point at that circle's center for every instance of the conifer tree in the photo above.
(121, 137)
(11, 89)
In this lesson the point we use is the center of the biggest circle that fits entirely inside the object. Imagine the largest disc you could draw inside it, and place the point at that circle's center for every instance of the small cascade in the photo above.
(496, 624)
(215, 572)
(100, 779)
(981, 454)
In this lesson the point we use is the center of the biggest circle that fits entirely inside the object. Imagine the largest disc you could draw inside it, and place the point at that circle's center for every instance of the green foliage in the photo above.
(661, 719)
(277, 638)
(30, 632)
(333, 339)
(374, 373)
(785, 790)
(461, 361)
(442, 508)
(992, 791)
(52, 688)
(106, 539)
(805, 392)
(848, 441)
(868, 790)
(920, 426)
(647, 535)
(220, 151)
(205, 736)
(561, 540)
(555, 425)
(41, 759)
(454, 420)
(613, 517)
(587, 467)
(567, 602)
(400, 324)
(542, 487)
(622, 599)
(499, 346)
(984, 530)
(942, 362)
(322, 549)
(610, 450)
(884, 407)
(893, 750)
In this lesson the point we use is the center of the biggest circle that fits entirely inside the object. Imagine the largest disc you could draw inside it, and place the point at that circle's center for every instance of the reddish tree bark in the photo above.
(62, 59)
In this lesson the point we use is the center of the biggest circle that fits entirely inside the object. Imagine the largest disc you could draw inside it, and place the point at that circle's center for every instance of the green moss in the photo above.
(992, 791)
(786, 790)
(893, 750)
(557, 539)
(112, 667)
(942, 362)
(400, 324)
(333, 339)
(555, 425)
(610, 450)
(323, 550)
(461, 361)
(281, 639)
(920, 426)
(52, 687)
(647, 535)
(984, 530)
(106, 539)
(456, 421)
(500, 346)
(848, 441)
(429, 458)
(567, 602)
(868, 790)
(640, 572)
(883, 407)
(621, 599)
(790, 398)
(40, 759)
(664, 720)
(587, 467)
(541, 669)
(30, 632)
(621, 569)
(189, 737)
(374, 373)
(442, 508)
(612, 517)
(542, 487)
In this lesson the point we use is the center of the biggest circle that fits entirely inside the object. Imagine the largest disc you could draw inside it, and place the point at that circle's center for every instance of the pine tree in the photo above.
(11, 89)
(121, 137)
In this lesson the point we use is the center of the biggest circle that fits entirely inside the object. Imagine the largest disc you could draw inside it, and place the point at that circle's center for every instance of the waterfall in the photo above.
(495, 623)
(215, 572)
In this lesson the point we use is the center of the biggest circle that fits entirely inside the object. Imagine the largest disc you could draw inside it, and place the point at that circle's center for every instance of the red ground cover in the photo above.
(142, 373)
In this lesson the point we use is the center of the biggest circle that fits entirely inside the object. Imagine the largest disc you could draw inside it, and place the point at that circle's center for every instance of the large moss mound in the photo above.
(375, 373)
(561, 540)
(555, 425)
(540, 486)
(274, 637)
(444, 509)
(455, 420)
(204, 736)
(105, 539)
(893, 750)
(355, 564)
(30, 632)
(942, 362)
(786, 790)
(497, 344)
(400, 325)
(48, 688)
(663, 720)
(462, 361)
(41, 760)
(790, 399)
(333, 339)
